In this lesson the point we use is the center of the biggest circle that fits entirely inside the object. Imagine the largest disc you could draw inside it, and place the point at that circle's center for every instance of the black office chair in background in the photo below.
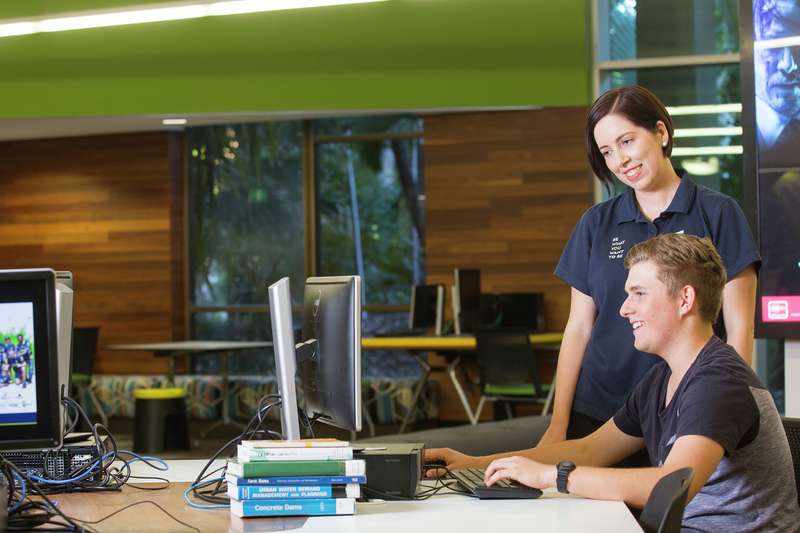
(792, 428)
(84, 348)
(507, 368)
(663, 511)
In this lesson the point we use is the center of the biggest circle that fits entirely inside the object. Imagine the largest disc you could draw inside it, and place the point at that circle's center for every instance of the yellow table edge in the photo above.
(465, 342)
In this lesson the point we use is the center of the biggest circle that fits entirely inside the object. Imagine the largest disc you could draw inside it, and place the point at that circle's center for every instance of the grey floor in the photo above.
(484, 438)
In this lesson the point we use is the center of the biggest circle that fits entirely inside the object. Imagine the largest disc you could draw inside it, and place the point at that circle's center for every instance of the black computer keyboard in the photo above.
(472, 480)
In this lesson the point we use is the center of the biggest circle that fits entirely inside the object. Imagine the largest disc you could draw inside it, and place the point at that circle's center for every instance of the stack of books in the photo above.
(311, 477)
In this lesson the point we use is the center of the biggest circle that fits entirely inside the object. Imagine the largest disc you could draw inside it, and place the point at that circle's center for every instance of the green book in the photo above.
(353, 467)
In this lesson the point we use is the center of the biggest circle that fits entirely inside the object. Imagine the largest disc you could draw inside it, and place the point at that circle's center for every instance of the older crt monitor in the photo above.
(280, 304)
(330, 358)
(30, 407)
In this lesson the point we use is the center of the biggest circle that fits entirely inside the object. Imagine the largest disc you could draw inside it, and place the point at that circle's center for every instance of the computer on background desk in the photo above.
(514, 310)
(467, 300)
(424, 315)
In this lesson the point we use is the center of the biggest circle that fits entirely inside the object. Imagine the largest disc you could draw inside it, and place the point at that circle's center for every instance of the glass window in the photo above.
(631, 29)
(237, 326)
(371, 215)
(708, 142)
(368, 125)
(246, 210)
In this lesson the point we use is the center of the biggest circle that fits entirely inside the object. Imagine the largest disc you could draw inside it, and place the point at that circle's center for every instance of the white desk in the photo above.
(552, 512)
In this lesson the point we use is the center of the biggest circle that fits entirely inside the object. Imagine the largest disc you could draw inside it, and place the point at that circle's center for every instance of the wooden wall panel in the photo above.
(101, 208)
(503, 193)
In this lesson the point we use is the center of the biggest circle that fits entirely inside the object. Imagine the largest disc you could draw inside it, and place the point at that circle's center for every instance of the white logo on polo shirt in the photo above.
(616, 251)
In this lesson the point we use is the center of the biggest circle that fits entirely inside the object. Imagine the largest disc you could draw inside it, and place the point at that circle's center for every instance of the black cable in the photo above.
(252, 429)
(121, 509)
(35, 487)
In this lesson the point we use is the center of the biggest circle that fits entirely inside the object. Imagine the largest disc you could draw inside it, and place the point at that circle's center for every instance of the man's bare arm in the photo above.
(631, 485)
(606, 446)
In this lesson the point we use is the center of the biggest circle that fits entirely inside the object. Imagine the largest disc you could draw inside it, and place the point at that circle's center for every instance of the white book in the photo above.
(302, 443)
(293, 454)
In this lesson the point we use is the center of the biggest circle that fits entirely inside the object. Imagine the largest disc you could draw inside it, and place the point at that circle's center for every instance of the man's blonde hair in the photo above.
(685, 260)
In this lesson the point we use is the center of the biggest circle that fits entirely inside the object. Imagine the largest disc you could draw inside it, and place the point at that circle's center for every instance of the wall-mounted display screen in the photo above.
(771, 112)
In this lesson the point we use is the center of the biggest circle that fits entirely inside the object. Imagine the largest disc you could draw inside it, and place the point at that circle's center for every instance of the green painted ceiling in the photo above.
(391, 55)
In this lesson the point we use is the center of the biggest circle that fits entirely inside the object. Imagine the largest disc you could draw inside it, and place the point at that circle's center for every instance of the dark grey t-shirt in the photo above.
(753, 487)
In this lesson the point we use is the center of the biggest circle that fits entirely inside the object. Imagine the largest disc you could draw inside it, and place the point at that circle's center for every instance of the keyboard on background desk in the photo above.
(472, 480)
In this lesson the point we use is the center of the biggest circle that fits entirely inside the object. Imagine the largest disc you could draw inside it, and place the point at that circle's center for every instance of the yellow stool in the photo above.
(161, 422)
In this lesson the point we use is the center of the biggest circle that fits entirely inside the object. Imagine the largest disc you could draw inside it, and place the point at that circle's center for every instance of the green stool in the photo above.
(161, 422)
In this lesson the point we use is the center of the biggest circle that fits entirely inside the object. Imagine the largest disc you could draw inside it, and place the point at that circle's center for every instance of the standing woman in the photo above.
(629, 135)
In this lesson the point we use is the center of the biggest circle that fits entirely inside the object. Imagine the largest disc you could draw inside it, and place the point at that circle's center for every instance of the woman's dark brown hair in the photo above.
(633, 102)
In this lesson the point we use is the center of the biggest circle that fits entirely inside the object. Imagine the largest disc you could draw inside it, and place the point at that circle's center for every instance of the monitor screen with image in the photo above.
(770, 50)
(29, 401)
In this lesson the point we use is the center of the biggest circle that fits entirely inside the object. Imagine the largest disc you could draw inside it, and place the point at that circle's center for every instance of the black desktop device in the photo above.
(393, 469)
(56, 463)
(4, 489)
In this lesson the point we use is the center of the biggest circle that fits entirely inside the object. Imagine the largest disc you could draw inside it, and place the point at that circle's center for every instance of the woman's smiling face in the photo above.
(634, 154)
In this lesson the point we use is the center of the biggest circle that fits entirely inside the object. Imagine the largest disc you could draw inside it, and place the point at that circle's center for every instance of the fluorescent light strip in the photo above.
(704, 109)
(174, 122)
(171, 12)
(708, 132)
(781, 42)
(707, 150)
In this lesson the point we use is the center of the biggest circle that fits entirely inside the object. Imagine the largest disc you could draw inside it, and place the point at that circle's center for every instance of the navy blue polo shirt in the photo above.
(592, 262)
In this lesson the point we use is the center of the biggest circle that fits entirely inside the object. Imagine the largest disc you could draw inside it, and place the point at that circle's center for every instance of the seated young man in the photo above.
(701, 407)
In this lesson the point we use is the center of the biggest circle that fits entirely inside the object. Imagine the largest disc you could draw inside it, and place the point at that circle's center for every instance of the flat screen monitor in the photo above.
(427, 307)
(468, 291)
(330, 376)
(280, 304)
(30, 408)
(520, 310)
(770, 55)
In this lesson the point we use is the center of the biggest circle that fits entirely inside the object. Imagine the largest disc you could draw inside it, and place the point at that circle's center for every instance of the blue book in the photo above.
(314, 507)
(295, 480)
(292, 492)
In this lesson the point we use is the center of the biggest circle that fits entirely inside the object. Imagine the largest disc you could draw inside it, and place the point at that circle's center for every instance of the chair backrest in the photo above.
(505, 357)
(84, 347)
(792, 428)
(663, 511)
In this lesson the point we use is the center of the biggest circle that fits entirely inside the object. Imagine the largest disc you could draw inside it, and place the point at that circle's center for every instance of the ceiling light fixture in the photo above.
(708, 132)
(159, 13)
(704, 109)
(174, 122)
(706, 150)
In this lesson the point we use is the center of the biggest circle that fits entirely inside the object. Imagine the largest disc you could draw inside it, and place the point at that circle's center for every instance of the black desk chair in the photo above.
(663, 512)
(507, 368)
(84, 348)
(792, 428)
